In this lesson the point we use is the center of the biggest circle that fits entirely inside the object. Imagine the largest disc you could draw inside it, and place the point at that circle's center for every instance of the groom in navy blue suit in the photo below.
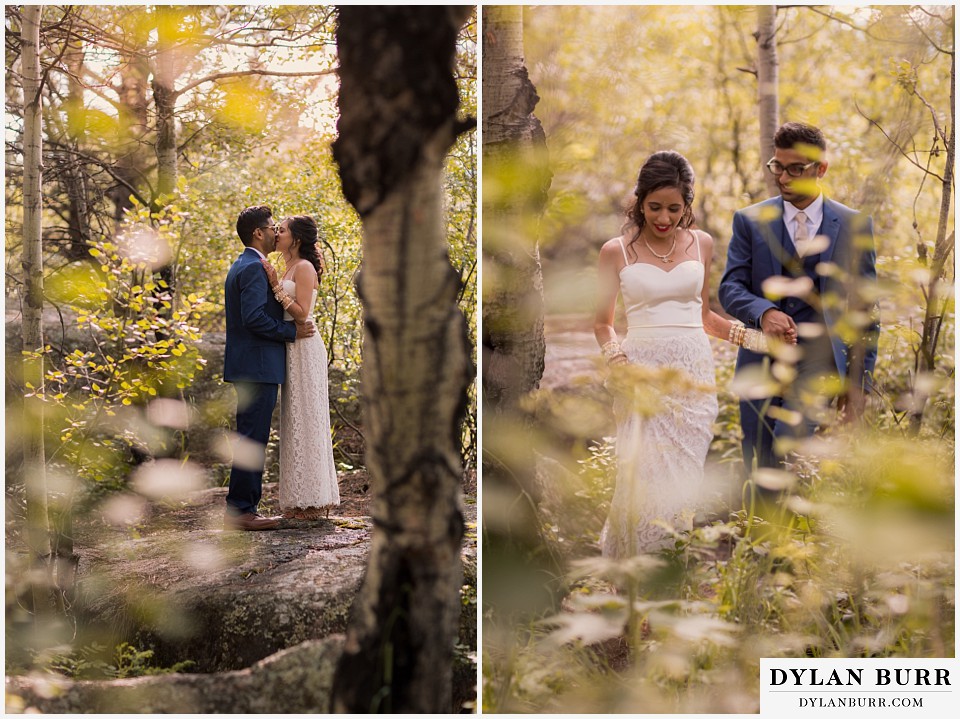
(255, 361)
(815, 243)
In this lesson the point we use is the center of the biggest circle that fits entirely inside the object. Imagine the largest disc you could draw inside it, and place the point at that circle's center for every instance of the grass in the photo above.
(856, 561)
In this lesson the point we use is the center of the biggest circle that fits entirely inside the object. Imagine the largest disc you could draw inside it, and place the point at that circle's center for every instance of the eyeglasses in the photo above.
(794, 170)
(275, 228)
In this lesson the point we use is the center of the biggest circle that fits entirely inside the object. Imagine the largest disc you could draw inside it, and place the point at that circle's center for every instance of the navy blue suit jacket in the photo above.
(760, 246)
(256, 348)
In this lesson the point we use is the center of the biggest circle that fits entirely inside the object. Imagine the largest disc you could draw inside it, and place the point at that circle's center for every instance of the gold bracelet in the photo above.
(737, 333)
(756, 341)
(610, 349)
(735, 328)
(284, 299)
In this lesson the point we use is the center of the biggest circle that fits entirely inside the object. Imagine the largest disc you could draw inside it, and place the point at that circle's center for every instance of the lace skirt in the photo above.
(308, 475)
(661, 452)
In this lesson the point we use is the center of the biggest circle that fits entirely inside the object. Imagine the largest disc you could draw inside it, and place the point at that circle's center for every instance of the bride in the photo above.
(308, 475)
(660, 266)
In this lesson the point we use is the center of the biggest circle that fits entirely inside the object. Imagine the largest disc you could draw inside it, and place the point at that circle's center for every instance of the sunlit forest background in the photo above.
(858, 560)
(159, 124)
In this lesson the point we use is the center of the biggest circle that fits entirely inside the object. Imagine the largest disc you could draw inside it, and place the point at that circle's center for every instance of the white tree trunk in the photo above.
(516, 178)
(514, 146)
(33, 446)
(768, 79)
(398, 103)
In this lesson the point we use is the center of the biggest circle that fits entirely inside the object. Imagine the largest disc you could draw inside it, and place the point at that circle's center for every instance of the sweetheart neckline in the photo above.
(293, 282)
(650, 264)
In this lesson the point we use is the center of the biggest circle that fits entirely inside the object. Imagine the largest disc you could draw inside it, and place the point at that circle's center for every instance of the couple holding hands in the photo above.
(794, 266)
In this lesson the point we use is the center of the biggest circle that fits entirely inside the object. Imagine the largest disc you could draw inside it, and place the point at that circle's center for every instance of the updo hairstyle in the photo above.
(663, 169)
(303, 228)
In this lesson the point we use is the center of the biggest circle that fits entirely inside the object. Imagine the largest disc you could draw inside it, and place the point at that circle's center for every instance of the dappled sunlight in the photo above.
(168, 479)
(235, 449)
(124, 510)
(159, 124)
(143, 245)
(845, 550)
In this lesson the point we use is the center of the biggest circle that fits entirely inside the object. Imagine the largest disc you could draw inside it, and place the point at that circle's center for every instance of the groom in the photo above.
(818, 243)
(254, 361)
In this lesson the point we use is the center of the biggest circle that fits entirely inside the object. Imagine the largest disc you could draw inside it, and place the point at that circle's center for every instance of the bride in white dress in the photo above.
(308, 475)
(660, 266)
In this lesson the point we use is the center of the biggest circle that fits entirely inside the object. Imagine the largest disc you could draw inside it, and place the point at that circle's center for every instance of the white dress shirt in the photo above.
(814, 213)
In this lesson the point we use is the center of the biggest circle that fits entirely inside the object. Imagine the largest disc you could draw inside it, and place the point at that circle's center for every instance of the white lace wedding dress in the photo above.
(660, 458)
(308, 475)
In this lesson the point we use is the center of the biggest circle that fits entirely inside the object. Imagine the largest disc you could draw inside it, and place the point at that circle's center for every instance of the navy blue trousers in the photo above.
(255, 404)
(760, 431)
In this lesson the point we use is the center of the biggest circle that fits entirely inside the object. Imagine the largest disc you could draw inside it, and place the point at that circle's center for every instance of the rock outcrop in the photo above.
(295, 681)
(250, 609)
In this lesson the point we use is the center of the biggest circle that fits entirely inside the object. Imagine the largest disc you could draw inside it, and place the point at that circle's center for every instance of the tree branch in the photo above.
(106, 168)
(896, 144)
(247, 73)
(865, 31)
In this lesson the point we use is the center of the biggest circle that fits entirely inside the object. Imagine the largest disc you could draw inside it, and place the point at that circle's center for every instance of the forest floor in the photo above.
(571, 350)
(231, 603)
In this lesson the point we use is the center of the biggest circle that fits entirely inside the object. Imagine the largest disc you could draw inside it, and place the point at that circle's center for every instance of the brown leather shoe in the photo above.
(249, 522)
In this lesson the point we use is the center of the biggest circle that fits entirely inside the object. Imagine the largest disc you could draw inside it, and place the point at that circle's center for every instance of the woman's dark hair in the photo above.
(663, 169)
(304, 230)
(250, 219)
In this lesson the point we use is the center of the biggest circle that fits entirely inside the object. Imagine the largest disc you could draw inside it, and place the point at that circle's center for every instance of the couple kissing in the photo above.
(272, 342)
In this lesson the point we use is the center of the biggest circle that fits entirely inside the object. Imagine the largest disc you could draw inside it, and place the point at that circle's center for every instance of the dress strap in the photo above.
(623, 249)
(697, 241)
(287, 275)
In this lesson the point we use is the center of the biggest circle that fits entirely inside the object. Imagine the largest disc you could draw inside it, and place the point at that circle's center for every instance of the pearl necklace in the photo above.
(665, 259)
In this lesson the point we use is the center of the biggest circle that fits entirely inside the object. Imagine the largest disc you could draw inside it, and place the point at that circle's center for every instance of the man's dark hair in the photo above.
(250, 219)
(792, 134)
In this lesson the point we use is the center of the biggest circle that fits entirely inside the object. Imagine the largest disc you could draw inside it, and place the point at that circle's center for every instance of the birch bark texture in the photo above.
(34, 459)
(768, 79)
(398, 103)
(516, 180)
(165, 99)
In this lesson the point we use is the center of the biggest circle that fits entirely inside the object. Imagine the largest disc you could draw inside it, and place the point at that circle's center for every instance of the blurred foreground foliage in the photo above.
(135, 413)
(856, 560)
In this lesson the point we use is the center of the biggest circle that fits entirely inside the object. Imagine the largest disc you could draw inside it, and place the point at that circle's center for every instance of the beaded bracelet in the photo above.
(755, 341)
(737, 333)
(283, 298)
(608, 349)
(611, 351)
